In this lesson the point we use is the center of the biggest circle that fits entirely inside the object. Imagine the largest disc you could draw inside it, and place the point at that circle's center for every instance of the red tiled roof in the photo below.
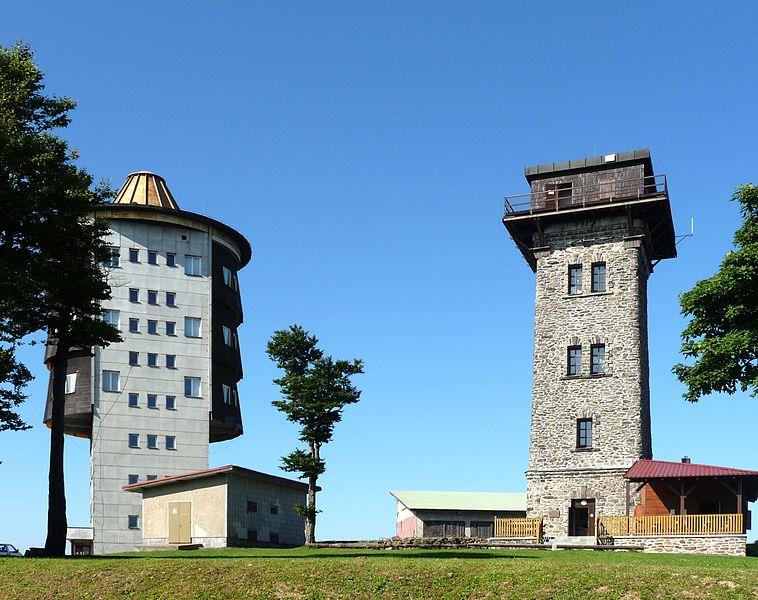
(662, 469)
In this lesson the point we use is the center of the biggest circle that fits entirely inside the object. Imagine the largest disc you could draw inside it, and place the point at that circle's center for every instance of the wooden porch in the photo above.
(722, 524)
(524, 528)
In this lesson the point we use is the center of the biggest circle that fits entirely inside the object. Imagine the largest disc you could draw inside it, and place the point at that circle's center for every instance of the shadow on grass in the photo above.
(317, 556)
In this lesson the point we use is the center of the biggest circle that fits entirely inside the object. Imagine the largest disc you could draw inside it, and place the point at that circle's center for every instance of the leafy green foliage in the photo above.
(722, 335)
(51, 246)
(315, 390)
(13, 377)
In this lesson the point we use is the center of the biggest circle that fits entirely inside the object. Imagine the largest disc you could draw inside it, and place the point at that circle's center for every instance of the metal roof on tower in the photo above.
(146, 189)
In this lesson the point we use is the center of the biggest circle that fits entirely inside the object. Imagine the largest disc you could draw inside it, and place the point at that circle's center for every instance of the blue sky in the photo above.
(364, 149)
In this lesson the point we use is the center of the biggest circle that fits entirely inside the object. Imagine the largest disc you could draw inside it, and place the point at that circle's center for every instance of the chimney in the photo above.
(686, 460)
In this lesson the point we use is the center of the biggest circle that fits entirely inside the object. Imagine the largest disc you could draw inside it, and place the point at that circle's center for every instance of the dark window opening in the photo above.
(584, 433)
(574, 360)
(273, 538)
(575, 279)
(252, 536)
(598, 277)
(597, 366)
(274, 509)
(252, 506)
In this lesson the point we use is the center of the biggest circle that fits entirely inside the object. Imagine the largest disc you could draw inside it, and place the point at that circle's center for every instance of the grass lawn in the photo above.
(329, 573)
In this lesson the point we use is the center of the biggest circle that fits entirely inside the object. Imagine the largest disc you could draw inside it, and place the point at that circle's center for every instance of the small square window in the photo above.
(192, 265)
(170, 299)
(134, 359)
(133, 399)
(598, 277)
(152, 257)
(111, 317)
(584, 433)
(192, 387)
(171, 402)
(134, 440)
(274, 509)
(152, 327)
(133, 521)
(152, 441)
(110, 381)
(170, 442)
(133, 255)
(597, 366)
(252, 506)
(133, 478)
(574, 366)
(575, 279)
(152, 477)
(152, 360)
(152, 401)
(133, 325)
(170, 328)
(152, 297)
(133, 295)
(170, 361)
(170, 259)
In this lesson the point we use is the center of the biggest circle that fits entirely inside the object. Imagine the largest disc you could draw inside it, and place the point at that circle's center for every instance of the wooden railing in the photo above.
(670, 525)
(519, 528)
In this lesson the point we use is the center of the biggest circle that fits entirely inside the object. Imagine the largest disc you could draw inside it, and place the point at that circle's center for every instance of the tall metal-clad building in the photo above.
(152, 403)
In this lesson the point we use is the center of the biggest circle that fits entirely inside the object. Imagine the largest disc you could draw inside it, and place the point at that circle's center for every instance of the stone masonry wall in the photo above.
(618, 400)
(727, 545)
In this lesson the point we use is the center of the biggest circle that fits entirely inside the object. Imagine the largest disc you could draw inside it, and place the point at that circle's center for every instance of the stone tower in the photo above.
(152, 403)
(592, 230)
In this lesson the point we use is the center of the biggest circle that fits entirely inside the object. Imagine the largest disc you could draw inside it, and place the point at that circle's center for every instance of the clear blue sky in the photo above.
(364, 149)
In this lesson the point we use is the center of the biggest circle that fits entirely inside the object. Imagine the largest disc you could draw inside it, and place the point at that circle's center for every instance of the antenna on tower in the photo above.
(680, 238)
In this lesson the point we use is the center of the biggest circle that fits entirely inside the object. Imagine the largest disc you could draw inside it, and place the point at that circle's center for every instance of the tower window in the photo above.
(134, 440)
(133, 521)
(152, 477)
(111, 317)
(170, 361)
(152, 360)
(192, 387)
(133, 295)
(110, 381)
(192, 326)
(70, 383)
(274, 509)
(170, 259)
(152, 441)
(152, 297)
(574, 362)
(113, 257)
(171, 402)
(575, 279)
(192, 265)
(152, 401)
(598, 277)
(230, 337)
(584, 433)
(170, 328)
(170, 442)
(152, 327)
(133, 399)
(134, 359)
(133, 255)
(152, 257)
(133, 478)
(597, 366)
(133, 325)
(170, 299)
(252, 506)
(230, 278)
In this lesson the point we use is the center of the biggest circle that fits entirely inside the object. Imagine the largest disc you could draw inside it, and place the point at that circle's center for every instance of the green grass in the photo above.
(328, 573)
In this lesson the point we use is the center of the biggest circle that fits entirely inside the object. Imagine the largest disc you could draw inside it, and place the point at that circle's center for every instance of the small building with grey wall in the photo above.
(219, 507)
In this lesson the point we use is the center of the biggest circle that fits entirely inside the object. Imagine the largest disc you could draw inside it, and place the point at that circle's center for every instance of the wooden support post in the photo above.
(682, 498)
(739, 503)
(627, 498)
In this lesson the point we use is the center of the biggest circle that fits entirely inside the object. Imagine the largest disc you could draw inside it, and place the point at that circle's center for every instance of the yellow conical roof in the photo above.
(147, 189)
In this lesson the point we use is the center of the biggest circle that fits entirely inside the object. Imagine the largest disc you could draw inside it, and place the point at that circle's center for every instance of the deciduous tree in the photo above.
(722, 335)
(315, 390)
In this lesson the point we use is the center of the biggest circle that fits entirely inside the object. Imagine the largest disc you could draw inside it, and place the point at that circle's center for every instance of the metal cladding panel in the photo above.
(660, 469)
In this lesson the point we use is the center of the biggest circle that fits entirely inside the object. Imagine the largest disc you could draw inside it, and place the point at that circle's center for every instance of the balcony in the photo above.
(552, 197)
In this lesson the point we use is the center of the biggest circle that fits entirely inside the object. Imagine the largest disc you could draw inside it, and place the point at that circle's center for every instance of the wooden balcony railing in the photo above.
(670, 525)
(528, 528)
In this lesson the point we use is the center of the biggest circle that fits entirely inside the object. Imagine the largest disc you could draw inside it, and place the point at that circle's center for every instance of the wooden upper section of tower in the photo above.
(589, 189)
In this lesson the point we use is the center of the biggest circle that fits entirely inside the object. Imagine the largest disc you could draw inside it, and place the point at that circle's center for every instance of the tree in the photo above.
(722, 335)
(13, 377)
(51, 246)
(315, 390)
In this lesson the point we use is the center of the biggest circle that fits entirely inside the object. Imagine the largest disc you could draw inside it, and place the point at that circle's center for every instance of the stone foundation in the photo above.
(725, 545)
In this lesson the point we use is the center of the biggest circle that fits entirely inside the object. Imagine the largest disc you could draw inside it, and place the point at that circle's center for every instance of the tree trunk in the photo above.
(310, 519)
(55, 545)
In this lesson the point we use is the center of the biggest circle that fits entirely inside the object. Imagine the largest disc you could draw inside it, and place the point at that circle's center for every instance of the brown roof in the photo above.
(147, 189)
(661, 469)
(203, 473)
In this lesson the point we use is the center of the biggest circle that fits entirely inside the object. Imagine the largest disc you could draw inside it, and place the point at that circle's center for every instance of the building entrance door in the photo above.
(582, 517)
(179, 522)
